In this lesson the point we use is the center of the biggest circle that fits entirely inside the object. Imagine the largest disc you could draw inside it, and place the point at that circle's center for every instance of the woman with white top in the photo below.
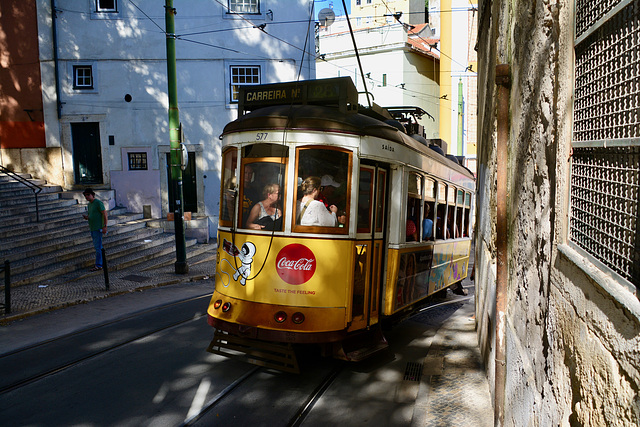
(311, 211)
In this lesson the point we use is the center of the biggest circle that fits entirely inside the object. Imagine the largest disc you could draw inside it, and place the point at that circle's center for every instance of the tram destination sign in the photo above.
(339, 92)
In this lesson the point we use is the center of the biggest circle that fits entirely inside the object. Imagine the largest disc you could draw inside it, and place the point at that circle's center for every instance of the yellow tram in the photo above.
(332, 219)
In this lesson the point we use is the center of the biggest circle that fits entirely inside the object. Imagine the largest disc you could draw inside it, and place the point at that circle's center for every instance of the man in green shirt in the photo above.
(97, 217)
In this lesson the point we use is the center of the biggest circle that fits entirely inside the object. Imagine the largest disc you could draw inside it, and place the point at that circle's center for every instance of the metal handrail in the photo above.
(34, 187)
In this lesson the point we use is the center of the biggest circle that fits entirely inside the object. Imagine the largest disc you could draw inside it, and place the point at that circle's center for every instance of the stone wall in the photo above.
(41, 163)
(572, 335)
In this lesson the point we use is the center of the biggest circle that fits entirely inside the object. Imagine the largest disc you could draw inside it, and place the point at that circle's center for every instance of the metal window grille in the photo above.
(244, 6)
(605, 173)
(82, 77)
(243, 76)
(137, 161)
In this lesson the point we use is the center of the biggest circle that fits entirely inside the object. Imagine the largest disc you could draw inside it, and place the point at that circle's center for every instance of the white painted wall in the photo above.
(127, 51)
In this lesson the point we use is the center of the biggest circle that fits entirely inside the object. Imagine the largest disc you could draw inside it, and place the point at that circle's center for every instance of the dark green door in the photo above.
(189, 194)
(87, 153)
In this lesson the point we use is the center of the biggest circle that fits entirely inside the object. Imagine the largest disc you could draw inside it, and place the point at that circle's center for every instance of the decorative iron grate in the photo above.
(605, 195)
(605, 174)
(607, 92)
(588, 12)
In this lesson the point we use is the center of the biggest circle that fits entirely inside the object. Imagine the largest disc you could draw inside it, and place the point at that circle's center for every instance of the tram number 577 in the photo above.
(261, 136)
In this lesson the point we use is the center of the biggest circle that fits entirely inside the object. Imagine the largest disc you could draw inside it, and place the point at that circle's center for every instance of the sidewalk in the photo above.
(454, 390)
(29, 300)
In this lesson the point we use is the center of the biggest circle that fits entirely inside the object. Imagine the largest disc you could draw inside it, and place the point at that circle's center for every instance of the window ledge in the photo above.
(620, 292)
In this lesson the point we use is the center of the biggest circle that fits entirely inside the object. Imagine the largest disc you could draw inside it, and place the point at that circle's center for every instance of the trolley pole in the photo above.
(175, 180)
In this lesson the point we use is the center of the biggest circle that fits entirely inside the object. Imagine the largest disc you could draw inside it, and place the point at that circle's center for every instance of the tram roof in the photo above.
(327, 119)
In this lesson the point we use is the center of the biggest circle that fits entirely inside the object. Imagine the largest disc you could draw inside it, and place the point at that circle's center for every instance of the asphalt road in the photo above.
(140, 360)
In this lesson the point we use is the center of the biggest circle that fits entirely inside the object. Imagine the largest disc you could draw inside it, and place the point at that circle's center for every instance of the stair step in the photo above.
(5, 177)
(118, 256)
(25, 191)
(8, 183)
(74, 230)
(69, 215)
(30, 208)
(72, 247)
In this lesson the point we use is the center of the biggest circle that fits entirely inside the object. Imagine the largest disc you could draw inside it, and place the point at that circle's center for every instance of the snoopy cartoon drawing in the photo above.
(246, 254)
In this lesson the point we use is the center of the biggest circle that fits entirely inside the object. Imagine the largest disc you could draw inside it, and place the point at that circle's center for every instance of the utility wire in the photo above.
(147, 16)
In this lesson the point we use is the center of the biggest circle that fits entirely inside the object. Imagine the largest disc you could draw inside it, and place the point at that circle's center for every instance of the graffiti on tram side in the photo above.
(449, 265)
(413, 277)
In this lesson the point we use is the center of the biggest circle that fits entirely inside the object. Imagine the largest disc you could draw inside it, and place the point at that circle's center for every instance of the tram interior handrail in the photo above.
(32, 186)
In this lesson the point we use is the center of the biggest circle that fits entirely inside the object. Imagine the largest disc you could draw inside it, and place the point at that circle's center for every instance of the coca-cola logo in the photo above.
(295, 264)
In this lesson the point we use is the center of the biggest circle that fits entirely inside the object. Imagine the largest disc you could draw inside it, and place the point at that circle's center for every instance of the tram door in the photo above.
(368, 248)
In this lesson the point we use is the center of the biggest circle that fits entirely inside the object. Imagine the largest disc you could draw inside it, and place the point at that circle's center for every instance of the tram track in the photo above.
(299, 411)
(18, 371)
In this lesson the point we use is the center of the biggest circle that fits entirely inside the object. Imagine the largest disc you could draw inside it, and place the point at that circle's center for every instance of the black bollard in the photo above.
(105, 269)
(7, 288)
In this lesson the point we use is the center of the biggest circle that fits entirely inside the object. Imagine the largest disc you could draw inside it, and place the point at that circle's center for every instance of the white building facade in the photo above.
(104, 88)
(399, 68)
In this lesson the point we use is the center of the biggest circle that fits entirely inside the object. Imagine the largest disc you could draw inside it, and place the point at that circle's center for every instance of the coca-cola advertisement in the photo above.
(296, 264)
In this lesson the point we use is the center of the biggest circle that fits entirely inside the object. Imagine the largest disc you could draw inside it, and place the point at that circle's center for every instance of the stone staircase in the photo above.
(58, 247)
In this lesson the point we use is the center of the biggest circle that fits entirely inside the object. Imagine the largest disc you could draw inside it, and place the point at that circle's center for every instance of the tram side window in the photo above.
(322, 196)
(427, 222)
(229, 186)
(458, 232)
(380, 198)
(365, 198)
(429, 209)
(451, 212)
(413, 216)
(467, 214)
(441, 213)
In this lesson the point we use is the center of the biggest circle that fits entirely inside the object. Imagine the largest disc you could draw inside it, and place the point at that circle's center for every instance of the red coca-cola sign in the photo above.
(296, 264)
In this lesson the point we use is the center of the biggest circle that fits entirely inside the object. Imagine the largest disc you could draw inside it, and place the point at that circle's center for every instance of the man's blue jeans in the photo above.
(96, 236)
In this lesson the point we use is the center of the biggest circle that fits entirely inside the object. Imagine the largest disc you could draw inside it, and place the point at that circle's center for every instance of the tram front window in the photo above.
(262, 192)
(322, 194)
(229, 188)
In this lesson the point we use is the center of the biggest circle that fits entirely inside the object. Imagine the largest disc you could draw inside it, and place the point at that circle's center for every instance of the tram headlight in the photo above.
(217, 304)
(297, 318)
(280, 316)
(226, 307)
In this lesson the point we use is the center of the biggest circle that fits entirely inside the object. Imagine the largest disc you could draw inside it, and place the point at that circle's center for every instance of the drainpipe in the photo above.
(54, 31)
(503, 81)
(460, 118)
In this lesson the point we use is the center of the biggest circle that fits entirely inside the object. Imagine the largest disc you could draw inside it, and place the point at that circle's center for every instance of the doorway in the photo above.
(189, 189)
(87, 153)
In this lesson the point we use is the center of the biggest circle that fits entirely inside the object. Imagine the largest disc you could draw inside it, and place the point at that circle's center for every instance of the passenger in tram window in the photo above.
(440, 229)
(427, 223)
(249, 194)
(265, 214)
(332, 192)
(311, 211)
(342, 219)
(412, 231)
(412, 228)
